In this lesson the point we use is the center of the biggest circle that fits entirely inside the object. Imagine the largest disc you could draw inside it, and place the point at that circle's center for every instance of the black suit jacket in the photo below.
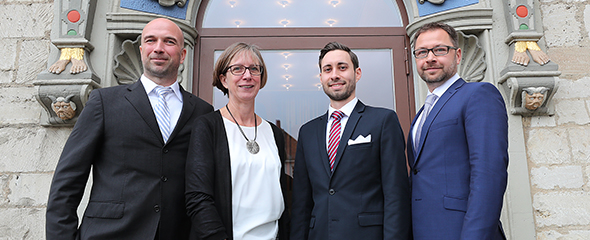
(138, 180)
(367, 196)
(208, 180)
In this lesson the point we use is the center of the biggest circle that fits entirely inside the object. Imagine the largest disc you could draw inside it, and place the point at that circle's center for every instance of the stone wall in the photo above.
(28, 152)
(558, 147)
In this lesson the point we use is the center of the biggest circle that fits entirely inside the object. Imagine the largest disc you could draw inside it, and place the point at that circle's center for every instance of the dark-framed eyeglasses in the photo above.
(437, 51)
(238, 70)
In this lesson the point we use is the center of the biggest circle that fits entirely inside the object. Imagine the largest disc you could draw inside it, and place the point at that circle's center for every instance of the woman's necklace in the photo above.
(251, 145)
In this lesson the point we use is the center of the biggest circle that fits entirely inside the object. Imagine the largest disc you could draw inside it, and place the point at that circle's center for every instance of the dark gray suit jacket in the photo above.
(138, 180)
(367, 196)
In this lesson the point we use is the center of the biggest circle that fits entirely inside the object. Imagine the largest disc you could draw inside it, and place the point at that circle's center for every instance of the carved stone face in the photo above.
(63, 110)
(534, 101)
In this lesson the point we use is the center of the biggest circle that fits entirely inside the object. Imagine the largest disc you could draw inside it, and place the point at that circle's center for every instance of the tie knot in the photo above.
(337, 115)
(430, 98)
(163, 91)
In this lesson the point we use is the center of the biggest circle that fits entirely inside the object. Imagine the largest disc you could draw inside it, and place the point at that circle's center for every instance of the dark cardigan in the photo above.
(208, 180)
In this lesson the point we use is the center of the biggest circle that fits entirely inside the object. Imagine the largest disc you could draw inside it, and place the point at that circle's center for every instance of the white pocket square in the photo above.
(360, 139)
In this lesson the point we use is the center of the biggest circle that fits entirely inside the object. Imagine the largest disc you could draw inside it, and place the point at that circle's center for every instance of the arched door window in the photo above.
(290, 34)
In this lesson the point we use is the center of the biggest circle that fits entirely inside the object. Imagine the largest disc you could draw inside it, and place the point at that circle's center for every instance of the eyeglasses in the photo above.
(238, 70)
(437, 51)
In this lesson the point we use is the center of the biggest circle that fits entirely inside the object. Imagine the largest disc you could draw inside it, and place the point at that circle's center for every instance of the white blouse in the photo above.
(257, 199)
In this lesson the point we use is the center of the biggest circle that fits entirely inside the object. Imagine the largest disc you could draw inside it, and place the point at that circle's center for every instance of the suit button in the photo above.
(165, 151)
(164, 178)
(156, 208)
(415, 171)
(332, 191)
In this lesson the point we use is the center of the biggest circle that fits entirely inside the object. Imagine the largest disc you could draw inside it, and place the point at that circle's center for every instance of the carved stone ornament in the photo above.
(529, 85)
(179, 3)
(438, 2)
(63, 100)
(530, 93)
(473, 65)
(64, 107)
(128, 67)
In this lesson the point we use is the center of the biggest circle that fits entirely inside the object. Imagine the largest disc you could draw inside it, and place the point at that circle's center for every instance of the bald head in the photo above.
(162, 51)
(161, 24)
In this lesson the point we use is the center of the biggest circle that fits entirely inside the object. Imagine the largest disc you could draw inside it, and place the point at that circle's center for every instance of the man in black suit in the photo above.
(137, 158)
(350, 178)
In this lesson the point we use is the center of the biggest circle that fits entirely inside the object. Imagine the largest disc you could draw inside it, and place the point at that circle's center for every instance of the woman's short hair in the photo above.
(224, 60)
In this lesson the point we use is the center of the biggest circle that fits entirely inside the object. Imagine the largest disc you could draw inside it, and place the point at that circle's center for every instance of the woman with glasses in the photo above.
(235, 180)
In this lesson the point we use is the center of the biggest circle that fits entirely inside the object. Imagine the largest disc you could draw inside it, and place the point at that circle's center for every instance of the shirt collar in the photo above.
(149, 86)
(446, 85)
(346, 109)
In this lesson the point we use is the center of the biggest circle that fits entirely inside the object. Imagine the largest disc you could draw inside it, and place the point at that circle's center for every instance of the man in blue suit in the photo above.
(350, 178)
(458, 156)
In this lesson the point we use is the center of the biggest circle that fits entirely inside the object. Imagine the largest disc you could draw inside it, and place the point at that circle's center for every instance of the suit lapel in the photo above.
(140, 101)
(321, 129)
(186, 113)
(412, 155)
(353, 119)
(434, 112)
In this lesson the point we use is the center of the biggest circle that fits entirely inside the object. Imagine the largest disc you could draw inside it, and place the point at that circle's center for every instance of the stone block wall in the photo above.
(558, 147)
(28, 152)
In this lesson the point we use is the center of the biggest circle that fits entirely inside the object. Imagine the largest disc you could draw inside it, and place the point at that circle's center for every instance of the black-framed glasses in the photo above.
(437, 51)
(238, 70)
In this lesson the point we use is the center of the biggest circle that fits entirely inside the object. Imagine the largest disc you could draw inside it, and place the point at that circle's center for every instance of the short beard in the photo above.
(343, 95)
(443, 77)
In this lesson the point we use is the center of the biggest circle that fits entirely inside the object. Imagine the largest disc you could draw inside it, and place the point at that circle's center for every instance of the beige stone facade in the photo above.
(555, 149)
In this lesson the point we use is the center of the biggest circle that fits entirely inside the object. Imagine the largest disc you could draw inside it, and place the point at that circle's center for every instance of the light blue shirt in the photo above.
(174, 101)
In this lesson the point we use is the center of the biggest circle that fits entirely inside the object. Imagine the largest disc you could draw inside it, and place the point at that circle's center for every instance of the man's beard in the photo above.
(446, 74)
(339, 96)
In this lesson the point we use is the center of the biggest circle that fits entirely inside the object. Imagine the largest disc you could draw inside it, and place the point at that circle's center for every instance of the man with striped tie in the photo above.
(350, 179)
(135, 139)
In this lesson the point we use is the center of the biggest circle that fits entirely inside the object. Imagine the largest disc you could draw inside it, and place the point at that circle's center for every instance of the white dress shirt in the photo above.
(174, 101)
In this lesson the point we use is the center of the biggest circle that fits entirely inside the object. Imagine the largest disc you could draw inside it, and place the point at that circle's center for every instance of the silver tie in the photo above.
(427, 107)
(163, 112)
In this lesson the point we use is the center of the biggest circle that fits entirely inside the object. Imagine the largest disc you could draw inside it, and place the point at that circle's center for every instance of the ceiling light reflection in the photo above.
(286, 54)
(287, 86)
(331, 22)
(284, 3)
(284, 22)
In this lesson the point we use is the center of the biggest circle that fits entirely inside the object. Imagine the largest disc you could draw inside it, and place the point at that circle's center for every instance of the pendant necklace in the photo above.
(251, 145)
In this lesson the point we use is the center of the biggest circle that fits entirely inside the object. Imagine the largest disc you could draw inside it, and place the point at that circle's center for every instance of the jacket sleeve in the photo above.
(486, 129)
(200, 183)
(302, 194)
(394, 180)
(72, 171)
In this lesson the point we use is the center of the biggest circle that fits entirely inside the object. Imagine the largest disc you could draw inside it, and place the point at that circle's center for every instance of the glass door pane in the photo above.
(293, 94)
(302, 13)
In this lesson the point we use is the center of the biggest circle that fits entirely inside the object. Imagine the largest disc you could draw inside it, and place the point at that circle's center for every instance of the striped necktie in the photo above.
(163, 112)
(334, 139)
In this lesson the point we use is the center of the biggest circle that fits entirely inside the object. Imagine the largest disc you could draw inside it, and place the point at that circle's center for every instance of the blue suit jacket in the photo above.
(458, 173)
(367, 195)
